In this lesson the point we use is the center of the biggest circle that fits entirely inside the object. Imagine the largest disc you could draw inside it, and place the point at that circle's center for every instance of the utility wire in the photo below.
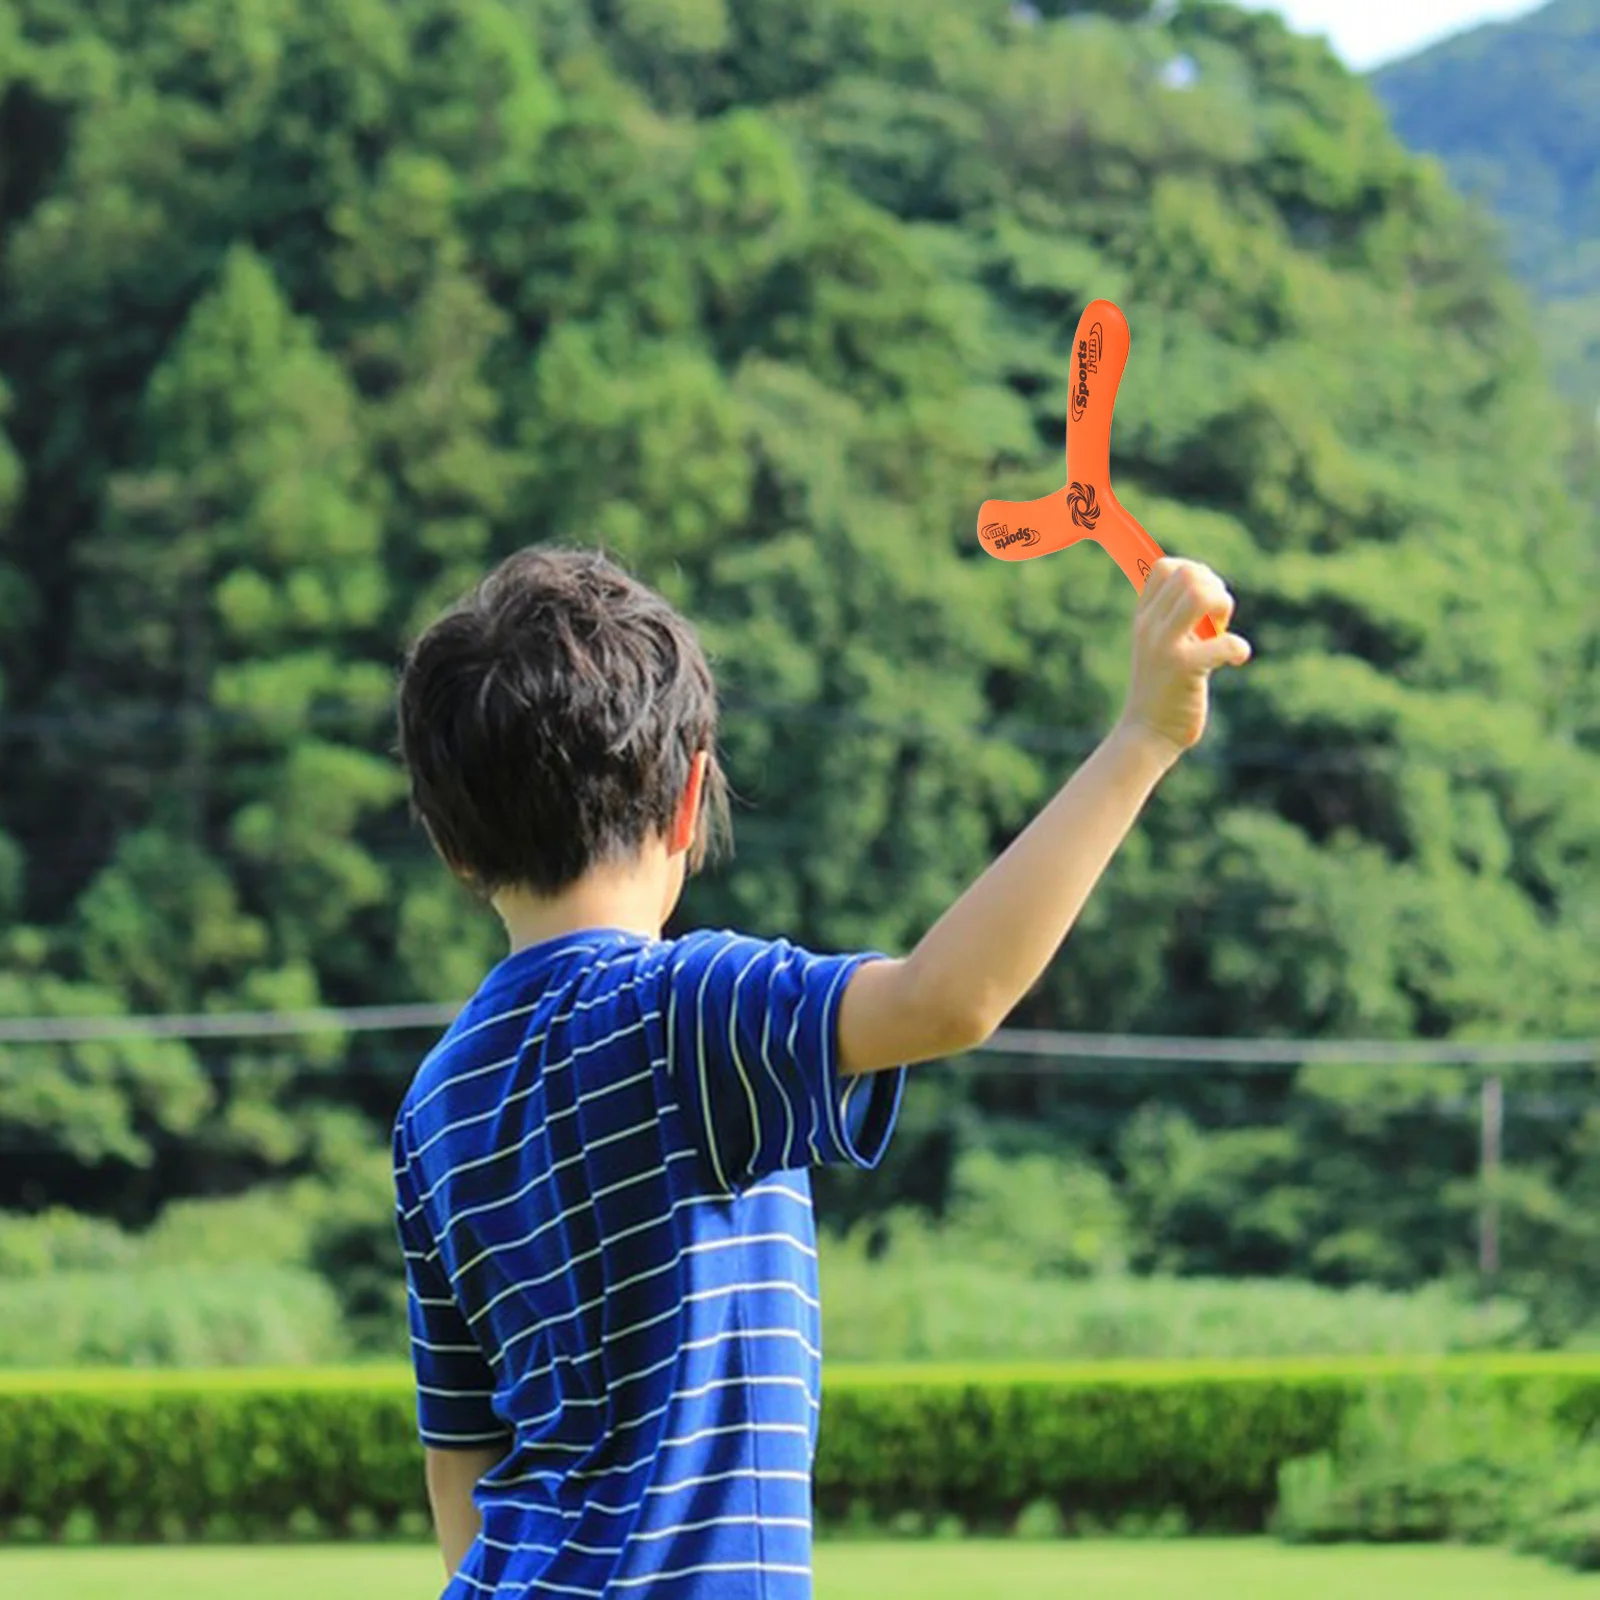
(1043, 1044)
(1292, 1052)
(228, 1025)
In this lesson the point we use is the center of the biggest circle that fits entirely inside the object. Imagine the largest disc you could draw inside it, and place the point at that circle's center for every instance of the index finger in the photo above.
(1189, 592)
(1162, 574)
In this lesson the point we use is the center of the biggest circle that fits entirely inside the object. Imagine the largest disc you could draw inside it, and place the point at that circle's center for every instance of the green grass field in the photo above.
(1197, 1570)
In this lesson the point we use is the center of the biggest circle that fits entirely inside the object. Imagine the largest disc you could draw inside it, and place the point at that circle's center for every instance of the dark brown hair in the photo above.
(549, 722)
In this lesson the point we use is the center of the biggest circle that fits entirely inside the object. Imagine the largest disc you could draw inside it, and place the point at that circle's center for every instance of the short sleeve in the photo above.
(752, 1040)
(455, 1388)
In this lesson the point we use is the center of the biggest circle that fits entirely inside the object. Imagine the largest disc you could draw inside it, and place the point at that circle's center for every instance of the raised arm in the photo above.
(993, 944)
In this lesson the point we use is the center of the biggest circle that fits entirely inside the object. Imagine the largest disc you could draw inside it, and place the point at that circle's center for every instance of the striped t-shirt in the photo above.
(611, 1258)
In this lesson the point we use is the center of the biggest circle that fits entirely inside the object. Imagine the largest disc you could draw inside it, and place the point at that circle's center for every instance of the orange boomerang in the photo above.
(1020, 530)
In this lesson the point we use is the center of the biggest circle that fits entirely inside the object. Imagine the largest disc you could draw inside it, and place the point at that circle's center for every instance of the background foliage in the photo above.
(1039, 1450)
(307, 313)
(1512, 110)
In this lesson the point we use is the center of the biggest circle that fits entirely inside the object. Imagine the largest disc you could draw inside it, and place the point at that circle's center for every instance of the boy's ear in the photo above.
(687, 818)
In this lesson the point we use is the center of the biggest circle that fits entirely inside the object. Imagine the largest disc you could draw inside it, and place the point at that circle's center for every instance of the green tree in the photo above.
(310, 313)
(235, 587)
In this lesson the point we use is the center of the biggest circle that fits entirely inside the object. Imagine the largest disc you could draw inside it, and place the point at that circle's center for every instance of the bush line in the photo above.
(332, 1453)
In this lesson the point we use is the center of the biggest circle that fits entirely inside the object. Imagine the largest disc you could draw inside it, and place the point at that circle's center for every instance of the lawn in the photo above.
(1255, 1570)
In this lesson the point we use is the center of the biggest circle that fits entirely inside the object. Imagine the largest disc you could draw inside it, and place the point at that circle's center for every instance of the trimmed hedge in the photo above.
(1205, 1440)
(186, 1455)
(329, 1452)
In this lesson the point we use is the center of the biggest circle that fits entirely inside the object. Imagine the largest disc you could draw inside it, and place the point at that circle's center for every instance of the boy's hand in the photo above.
(1167, 695)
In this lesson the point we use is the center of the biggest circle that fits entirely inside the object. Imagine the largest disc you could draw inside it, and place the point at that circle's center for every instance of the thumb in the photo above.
(1230, 650)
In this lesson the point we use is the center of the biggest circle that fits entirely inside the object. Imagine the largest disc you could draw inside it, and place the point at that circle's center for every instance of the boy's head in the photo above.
(551, 723)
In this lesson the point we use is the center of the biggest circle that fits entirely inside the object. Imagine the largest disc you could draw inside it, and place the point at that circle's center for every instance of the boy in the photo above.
(601, 1168)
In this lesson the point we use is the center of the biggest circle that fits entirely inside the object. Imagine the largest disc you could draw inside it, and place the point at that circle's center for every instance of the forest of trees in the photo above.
(309, 311)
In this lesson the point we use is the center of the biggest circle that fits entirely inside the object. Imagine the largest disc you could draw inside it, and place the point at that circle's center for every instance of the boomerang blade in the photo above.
(1087, 508)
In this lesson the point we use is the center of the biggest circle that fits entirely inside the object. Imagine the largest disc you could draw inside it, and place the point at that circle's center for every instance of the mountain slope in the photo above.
(1513, 109)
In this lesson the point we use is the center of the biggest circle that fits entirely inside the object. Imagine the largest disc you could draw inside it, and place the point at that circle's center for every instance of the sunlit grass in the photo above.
(1197, 1570)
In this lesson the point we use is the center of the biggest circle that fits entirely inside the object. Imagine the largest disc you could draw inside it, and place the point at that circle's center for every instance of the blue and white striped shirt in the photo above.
(611, 1258)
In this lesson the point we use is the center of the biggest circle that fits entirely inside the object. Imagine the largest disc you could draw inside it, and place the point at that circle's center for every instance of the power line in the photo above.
(1292, 1052)
(1040, 1044)
(228, 1025)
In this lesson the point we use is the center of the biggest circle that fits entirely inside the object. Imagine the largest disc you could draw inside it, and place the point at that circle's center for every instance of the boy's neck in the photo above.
(635, 897)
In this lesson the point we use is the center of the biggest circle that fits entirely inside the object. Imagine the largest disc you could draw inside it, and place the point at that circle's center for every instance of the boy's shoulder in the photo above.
(585, 981)
(521, 995)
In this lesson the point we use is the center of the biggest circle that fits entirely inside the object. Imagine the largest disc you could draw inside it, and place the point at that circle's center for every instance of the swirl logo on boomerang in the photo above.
(1090, 353)
(1084, 505)
(1002, 537)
